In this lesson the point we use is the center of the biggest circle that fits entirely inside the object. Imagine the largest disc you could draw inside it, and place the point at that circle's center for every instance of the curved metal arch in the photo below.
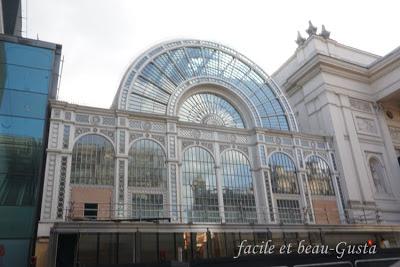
(286, 154)
(200, 146)
(99, 134)
(149, 139)
(280, 121)
(321, 158)
(236, 150)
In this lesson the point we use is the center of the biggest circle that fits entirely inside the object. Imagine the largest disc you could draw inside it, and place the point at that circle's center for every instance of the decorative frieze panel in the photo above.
(81, 130)
(360, 105)
(67, 115)
(121, 186)
(48, 189)
(61, 187)
(83, 118)
(135, 124)
(56, 113)
(174, 195)
(186, 143)
(287, 141)
(366, 125)
(208, 145)
(270, 150)
(110, 121)
(222, 147)
(269, 139)
(134, 136)
(288, 151)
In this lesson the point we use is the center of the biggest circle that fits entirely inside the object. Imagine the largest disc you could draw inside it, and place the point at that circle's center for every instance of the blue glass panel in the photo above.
(15, 126)
(28, 56)
(27, 79)
(24, 104)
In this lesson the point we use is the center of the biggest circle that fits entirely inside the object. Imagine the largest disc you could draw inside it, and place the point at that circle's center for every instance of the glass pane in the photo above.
(319, 176)
(126, 248)
(22, 104)
(148, 249)
(107, 248)
(167, 247)
(283, 174)
(87, 251)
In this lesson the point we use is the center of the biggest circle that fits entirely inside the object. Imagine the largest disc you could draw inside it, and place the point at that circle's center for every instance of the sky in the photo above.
(101, 38)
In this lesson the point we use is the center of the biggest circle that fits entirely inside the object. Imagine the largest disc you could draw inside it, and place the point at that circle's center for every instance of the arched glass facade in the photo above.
(319, 176)
(153, 78)
(93, 161)
(147, 165)
(237, 188)
(283, 174)
(378, 175)
(199, 186)
(210, 109)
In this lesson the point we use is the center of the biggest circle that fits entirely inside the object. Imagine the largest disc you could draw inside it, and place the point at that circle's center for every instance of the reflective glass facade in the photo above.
(210, 109)
(93, 161)
(319, 176)
(199, 192)
(26, 83)
(153, 82)
(238, 191)
(147, 165)
(283, 174)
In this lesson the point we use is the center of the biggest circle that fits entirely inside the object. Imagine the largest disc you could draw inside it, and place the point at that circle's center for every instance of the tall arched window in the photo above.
(147, 169)
(199, 192)
(238, 193)
(283, 174)
(147, 165)
(319, 176)
(93, 161)
(378, 174)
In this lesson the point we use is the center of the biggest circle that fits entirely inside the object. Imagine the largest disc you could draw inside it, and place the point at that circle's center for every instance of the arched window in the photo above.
(319, 176)
(378, 175)
(238, 193)
(93, 161)
(147, 165)
(283, 174)
(199, 192)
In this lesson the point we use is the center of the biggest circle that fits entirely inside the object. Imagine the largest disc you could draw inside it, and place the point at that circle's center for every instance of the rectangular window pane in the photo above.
(22, 104)
(126, 248)
(87, 250)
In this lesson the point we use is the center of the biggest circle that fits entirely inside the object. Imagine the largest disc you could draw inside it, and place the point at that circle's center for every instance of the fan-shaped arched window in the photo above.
(283, 174)
(378, 174)
(93, 161)
(319, 176)
(210, 109)
(147, 165)
(238, 193)
(199, 192)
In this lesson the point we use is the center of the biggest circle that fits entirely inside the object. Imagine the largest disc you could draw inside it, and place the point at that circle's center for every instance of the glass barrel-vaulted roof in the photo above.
(156, 77)
(210, 109)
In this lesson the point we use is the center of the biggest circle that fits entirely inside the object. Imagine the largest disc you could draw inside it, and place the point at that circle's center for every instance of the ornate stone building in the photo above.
(204, 143)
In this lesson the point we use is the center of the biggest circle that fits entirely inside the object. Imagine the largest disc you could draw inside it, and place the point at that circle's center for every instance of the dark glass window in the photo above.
(319, 176)
(90, 210)
(93, 161)
(87, 250)
(147, 165)
(22, 104)
(148, 248)
(166, 247)
(126, 248)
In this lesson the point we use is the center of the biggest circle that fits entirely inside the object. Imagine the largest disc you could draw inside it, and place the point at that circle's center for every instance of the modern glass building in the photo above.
(199, 151)
(28, 79)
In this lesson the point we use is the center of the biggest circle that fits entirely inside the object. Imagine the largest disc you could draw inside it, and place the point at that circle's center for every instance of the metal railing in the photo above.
(217, 214)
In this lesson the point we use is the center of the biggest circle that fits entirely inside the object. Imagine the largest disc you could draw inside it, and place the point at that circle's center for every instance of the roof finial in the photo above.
(300, 40)
(312, 30)
(324, 33)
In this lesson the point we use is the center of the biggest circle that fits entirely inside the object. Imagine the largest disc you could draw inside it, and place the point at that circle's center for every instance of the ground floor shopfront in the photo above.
(88, 244)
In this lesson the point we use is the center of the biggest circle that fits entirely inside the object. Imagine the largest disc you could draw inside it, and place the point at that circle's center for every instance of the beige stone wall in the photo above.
(83, 194)
(325, 211)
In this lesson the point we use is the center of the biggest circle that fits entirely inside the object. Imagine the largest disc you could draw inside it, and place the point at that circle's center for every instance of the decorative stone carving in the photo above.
(159, 138)
(81, 130)
(270, 150)
(67, 115)
(108, 133)
(323, 155)
(312, 30)
(306, 153)
(196, 134)
(172, 146)
(324, 33)
(122, 121)
(366, 125)
(300, 40)
(232, 138)
(54, 135)
(244, 149)
(135, 124)
(395, 133)
(146, 125)
(48, 190)
(360, 105)
(122, 141)
(61, 188)
(82, 118)
(134, 136)
(208, 145)
(288, 151)
(65, 142)
(223, 147)
(186, 143)
(110, 121)
(57, 113)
